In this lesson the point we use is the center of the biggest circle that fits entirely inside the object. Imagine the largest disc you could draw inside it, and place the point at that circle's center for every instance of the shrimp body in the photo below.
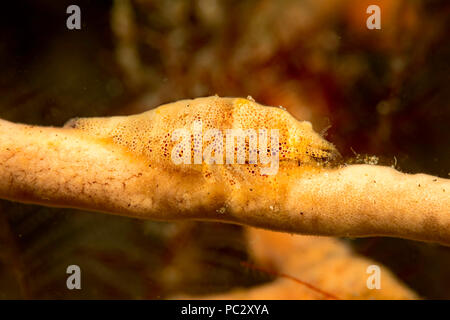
(150, 134)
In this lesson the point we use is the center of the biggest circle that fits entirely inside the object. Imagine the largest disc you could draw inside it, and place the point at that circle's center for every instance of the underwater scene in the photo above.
(232, 150)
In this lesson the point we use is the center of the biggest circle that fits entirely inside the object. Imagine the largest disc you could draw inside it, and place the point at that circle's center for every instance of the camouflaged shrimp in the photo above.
(150, 134)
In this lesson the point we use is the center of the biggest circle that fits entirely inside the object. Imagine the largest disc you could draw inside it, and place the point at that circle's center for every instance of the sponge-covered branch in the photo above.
(69, 167)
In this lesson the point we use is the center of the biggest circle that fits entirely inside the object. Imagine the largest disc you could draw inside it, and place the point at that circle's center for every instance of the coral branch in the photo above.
(326, 262)
(70, 167)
